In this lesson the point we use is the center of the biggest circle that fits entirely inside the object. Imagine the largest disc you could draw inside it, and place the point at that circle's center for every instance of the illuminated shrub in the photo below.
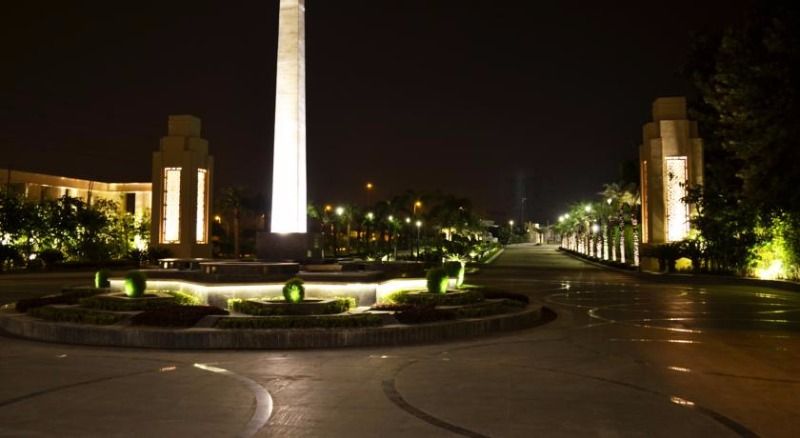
(455, 269)
(437, 281)
(294, 291)
(135, 284)
(101, 279)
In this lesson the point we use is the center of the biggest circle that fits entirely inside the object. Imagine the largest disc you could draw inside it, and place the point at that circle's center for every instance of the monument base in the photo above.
(282, 247)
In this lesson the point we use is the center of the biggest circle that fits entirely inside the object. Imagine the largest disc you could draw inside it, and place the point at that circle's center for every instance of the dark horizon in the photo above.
(405, 94)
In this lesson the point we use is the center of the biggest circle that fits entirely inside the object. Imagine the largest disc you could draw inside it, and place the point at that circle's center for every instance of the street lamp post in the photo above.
(419, 227)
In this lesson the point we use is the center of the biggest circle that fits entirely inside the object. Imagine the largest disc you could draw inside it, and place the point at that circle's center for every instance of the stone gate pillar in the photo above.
(182, 180)
(671, 161)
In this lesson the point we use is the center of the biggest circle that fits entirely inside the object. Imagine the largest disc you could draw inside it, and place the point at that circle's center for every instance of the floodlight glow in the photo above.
(171, 206)
(339, 211)
(772, 272)
(408, 220)
(370, 216)
(511, 223)
(677, 214)
(202, 179)
(419, 224)
(588, 208)
(609, 201)
(391, 218)
(595, 228)
(289, 203)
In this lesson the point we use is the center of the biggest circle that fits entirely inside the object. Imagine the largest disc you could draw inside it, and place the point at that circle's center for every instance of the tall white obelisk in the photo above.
(289, 210)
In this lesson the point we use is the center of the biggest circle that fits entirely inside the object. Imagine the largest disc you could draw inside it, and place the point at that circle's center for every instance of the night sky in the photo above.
(455, 95)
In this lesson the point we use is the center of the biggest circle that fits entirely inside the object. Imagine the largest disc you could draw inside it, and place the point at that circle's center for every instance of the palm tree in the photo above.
(232, 200)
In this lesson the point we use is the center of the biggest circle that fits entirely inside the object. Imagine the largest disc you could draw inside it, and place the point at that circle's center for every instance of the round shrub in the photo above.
(456, 269)
(437, 281)
(294, 291)
(101, 279)
(135, 284)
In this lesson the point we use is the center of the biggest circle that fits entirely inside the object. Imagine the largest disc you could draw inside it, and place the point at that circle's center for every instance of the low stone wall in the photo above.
(202, 338)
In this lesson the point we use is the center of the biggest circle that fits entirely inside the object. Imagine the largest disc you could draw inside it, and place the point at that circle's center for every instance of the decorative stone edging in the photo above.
(208, 338)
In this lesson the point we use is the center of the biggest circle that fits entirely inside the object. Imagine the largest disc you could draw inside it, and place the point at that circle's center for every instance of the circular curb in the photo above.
(208, 338)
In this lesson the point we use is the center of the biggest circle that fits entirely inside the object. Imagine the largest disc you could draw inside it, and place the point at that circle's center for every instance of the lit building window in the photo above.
(202, 178)
(171, 207)
(677, 175)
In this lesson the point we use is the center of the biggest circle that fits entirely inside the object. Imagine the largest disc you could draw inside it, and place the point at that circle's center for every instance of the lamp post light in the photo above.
(368, 187)
(417, 204)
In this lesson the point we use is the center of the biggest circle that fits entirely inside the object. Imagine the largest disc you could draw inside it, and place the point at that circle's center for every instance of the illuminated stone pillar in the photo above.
(671, 162)
(182, 181)
(288, 221)
(289, 207)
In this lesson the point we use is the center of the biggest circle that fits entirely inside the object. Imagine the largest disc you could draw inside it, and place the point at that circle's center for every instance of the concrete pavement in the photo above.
(627, 356)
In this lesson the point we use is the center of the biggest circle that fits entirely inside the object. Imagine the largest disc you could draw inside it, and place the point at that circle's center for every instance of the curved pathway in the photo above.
(627, 356)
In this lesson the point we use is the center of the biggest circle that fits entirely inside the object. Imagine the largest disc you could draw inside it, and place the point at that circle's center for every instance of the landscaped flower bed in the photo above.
(175, 316)
(122, 303)
(273, 307)
(297, 322)
(76, 315)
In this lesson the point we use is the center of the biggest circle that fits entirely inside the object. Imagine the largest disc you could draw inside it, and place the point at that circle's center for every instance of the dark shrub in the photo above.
(437, 281)
(50, 257)
(135, 284)
(456, 270)
(101, 279)
(155, 253)
(177, 316)
(294, 291)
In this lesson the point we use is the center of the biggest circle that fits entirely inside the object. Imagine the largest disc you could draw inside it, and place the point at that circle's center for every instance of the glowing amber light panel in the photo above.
(171, 207)
(675, 190)
(202, 196)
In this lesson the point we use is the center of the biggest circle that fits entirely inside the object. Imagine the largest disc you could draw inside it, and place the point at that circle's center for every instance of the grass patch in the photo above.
(75, 315)
(176, 316)
(183, 298)
(298, 322)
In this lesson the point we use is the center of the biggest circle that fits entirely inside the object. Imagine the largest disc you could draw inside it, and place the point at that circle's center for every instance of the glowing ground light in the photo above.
(681, 401)
(772, 272)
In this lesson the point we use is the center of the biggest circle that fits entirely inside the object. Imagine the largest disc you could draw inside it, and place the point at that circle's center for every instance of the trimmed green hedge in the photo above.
(101, 302)
(184, 299)
(448, 299)
(424, 314)
(75, 315)
(177, 316)
(338, 305)
(284, 322)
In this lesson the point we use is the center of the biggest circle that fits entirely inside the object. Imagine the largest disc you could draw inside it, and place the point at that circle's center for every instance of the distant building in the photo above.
(132, 197)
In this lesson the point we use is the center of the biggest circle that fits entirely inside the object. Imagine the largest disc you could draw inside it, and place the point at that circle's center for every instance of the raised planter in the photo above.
(248, 271)
(260, 307)
(209, 338)
(122, 303)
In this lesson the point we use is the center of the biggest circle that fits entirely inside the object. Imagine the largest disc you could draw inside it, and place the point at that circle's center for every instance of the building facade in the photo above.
(131, 197)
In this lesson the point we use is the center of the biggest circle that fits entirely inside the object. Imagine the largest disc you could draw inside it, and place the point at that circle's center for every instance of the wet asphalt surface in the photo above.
(627, 355)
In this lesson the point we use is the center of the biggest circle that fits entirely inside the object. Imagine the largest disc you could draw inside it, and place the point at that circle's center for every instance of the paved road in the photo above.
(627, 356)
